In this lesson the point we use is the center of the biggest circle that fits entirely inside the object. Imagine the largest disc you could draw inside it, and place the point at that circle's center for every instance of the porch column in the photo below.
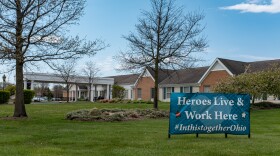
(108, 92)
(95, 91)
(92, 96)
(25, 84)
(76, 93)
(32, 85)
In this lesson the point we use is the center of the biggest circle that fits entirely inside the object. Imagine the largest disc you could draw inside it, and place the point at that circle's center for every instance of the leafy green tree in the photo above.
(256, 84)
(11, 88)
(118, 91)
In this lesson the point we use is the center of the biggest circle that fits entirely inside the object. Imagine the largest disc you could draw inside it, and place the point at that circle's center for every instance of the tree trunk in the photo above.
(156, 91)
(67, 92)
(19, 110)
(156, 85)
(19, 105)
(89, 93)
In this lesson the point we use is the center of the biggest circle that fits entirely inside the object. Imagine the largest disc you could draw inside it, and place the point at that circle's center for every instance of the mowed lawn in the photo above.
(46, 132)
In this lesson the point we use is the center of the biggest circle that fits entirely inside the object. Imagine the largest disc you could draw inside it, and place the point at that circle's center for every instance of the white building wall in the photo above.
(217, 66)
(195, 90)
(160, 92)
(129, 89)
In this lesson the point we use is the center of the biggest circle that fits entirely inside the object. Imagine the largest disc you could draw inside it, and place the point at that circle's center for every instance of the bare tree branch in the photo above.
(34, 31)
(165, 38)
(90, 71)
(66, 71)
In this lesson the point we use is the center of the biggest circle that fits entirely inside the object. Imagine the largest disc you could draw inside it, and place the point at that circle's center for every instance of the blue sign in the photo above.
(208, 113)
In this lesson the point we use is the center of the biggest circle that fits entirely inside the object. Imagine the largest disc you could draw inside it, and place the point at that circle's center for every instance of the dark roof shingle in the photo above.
(185, 76)
(125, 79)
(238, 67)
(262, 65)
(162, 73)
(235, 67)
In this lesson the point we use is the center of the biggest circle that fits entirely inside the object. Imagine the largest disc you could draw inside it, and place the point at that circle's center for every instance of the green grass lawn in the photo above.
(46, 132)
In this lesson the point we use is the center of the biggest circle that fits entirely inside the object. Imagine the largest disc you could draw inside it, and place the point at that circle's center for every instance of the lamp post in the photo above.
(4, 80)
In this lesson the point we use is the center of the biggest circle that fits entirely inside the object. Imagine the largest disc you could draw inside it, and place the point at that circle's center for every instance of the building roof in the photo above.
(235, 67)
(238, 67)
(185, 76)
(162, 73)
(262, 65)
(125, 79)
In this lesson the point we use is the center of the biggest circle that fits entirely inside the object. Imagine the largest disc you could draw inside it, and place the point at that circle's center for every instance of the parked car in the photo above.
(39, 99)
(56, 99)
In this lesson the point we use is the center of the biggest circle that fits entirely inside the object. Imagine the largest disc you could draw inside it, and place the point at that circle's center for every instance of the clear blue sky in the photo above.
(233, 28)
(245, 30)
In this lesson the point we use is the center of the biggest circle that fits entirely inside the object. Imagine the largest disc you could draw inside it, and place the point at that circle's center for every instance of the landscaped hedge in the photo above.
(4, 96)
(28, 95)
(116, 114)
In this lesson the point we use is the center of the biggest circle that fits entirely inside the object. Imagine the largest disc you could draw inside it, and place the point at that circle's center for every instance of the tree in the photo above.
(11, 88)
(35, 31)
(165, 38)
(57, 91)
(118, 91)
(43, 90)
(66, 71)
(257, 84)
(90, 71)
(40, 89)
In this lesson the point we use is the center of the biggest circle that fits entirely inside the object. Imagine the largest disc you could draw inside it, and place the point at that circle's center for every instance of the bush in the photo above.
(149, 102)
(28, 95)
(4, 96)
(118, 91)
(11, 89)
(265, 105)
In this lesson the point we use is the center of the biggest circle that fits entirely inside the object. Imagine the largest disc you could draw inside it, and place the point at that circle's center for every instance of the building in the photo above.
(183, 81)
(141, 86)
(223, 68)
(144, 85)
(128, 82)
(79, 85)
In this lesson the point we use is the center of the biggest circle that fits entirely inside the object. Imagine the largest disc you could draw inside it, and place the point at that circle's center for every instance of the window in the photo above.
(126, 94)
(185, 90)
(139, 93)
(206, 89)
(169, 90)
(152, 93)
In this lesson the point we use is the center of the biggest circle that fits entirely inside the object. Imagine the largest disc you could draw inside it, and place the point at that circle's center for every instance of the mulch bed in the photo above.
(110, 115)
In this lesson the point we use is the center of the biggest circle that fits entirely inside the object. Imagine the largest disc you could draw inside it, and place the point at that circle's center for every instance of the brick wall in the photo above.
(145, 83)
(213, 78)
